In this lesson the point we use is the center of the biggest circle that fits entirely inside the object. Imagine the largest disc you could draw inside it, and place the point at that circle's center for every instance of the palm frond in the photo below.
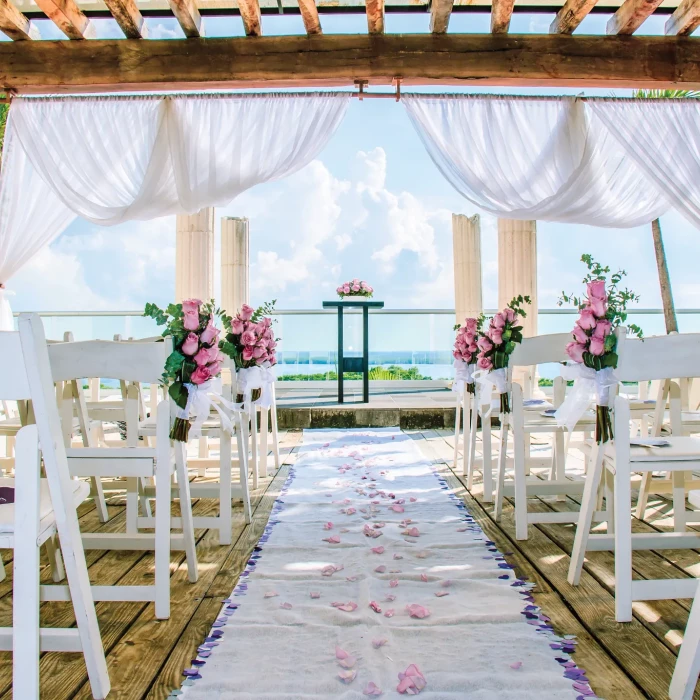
(666, 94)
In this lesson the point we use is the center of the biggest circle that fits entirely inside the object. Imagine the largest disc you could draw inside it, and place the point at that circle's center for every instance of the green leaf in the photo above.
(178, 393)
(174, 363)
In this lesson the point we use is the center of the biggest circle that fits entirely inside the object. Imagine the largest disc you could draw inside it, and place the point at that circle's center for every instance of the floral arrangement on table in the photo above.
(355, 288)
(250, 342)
(593, 348)
(465, 351)
(498, 342)
(196, 357)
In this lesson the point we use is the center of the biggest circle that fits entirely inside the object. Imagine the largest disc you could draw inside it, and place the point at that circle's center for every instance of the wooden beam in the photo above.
(571, 15)
(187, 15)
(501, 11)
(250, 14)
(309, 13)
(375, 16)
(631, 16)
(440, 11)
(68, 17)
(649, 62)
(684, 20)
(14, 24)
(128, 17)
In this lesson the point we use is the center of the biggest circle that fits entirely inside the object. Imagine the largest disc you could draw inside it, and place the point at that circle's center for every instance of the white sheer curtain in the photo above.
(113, 159)
(534, 159)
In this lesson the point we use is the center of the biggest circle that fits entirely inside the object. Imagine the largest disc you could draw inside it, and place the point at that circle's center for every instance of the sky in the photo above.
(371, 205)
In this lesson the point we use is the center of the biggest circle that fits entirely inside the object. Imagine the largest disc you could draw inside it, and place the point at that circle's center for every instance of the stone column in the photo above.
(194, 256)
(235, 263)
(466, 244)
(517, 266)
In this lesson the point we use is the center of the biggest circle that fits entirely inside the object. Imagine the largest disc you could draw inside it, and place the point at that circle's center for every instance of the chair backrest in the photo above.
(540, 350)
(14, 385)
(135, 362)
(674, 356)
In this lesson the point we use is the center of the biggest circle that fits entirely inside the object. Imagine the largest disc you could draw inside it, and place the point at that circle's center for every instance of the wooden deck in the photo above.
(146, 657)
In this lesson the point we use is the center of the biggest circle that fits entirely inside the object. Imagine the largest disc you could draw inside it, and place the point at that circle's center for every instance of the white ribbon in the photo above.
(589, 385)
(464, 374)
(488, 380)
(201, 398)
(258, 377)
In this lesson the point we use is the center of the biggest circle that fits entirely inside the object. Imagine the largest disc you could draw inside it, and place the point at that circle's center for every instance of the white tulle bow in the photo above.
(201, 398)
(589, 385)
(488, 380)
(464, 374)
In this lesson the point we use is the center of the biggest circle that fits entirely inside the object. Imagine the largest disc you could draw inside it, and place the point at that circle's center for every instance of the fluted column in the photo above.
(235, 263)
(517, 266)
(194, 256)
(466, 244)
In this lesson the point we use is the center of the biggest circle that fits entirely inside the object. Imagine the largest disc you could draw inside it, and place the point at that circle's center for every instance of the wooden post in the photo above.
(194, 256)
(664, 279)
(466, 244)
(235, 263)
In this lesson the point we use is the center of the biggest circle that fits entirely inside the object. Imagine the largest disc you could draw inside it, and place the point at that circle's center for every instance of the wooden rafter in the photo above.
(14, 24)
(68, 17)
(309, 13)
(250, 13)
(685, 19)
(440, 11)
(375, 16)
(501, 11)
(631, 16)
(128, 17)
(187, 15)
(550, 60)
(571, 15)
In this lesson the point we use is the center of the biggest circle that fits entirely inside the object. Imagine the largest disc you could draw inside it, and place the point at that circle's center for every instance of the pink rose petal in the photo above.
(381, 569)
(411, 681)
(398, 556)
(286, 606)
(393, 583)
(371, 689)
(345, 607)
(413, 500)
(376, 643)
(328, 526)
(417, 611)
(389, 613)
(271, 594)
(335, 539)
(347, 676)
(375, 606)
(440, 594)
(411, 532)
(446, 583)
(424, 578)
(517, 665)
(389, 598)
(315, 594)
(397, 508)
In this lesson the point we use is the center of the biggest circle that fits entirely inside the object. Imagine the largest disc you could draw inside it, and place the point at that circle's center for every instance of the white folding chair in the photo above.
(43, 508)
(133, 363)
(663, 358)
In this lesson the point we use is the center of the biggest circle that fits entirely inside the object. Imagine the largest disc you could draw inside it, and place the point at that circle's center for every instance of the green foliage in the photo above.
(516, 303)
(480, 319)
(4, 112)
(178, 393)
(666, 94)
(391, 373)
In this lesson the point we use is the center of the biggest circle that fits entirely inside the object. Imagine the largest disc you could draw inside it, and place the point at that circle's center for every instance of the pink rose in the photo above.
(236, 326)
(247, 353)
(599, 307)
(484, 363)
(370, 289)
(411, 681)
(355, 287)
(580, 335)
(267, 321)
(210, 333)
(575, 351)
(248, 337)
(191, 345)
(498, 321)
(261, 360)
(602, 329)
(258, 351)
(205, 356)
(510, 315)
(596, 290)
(484, 344)
(457, 355)
(586, 320)
(346, 288)
(473, 348)
(597, 347)
(200, 375)
(191, 320)
(214, 368)
(469, 338)
(246, 312)
(339, 290)
(271, 345)
(467, 357)
(191, 305)
(496, 335)
(471, 325)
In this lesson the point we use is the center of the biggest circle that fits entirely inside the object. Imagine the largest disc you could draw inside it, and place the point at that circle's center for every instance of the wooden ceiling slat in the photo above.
(128, 17)
(571, 15)
(14, 24)
(187, 15)
(631, 16)
(440, 12)
(375, 16)
(68, 17)
(250, 13)
(684, 20)
(501, 11)
(309, 13)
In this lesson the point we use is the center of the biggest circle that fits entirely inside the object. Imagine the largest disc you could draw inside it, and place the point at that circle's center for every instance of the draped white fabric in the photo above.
(536, 159)
(114, 159)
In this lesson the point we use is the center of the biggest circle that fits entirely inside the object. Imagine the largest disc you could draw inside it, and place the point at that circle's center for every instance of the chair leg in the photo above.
(487, 465)
(162, 533)
(559, 444)
(99, 497)
(501, 469)
(224, 488)
(643, 497)
(685, 675)
(471, 458)
(53, 553)
(242, 444)
(132, 505)
(254, 444)
(144, 501)
(585, 518)
(275, 437)
(519, 474)
(455, 455)
(623, 543)
(183, 485)
(263, 442)
(203, 452)
(679, 514)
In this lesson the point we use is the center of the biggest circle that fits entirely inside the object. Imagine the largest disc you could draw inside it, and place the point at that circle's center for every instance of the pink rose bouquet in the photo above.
(355, 288)
(601, 312)
(250, 340)
(196, 357)
(466, 348)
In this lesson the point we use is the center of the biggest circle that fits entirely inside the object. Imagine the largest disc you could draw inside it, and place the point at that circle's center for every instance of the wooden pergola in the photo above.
(83, 63)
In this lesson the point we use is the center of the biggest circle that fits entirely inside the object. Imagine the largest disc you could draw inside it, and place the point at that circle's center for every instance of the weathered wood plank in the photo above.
(250, 14)
(68, 17)
(571, 15)
(541, 60)
(631, 16)
(128, 17)
(375, 16)
(188, 17)
(440, 11)
(309, 13)
(501, 12)
(684, 20)
(14, 24)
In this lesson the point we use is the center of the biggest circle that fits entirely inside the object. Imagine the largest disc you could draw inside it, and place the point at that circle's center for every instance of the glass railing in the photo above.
(404, 343)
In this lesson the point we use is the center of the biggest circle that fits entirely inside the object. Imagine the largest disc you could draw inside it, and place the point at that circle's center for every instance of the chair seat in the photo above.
(680, 449)
(81, 490)
(538, 422)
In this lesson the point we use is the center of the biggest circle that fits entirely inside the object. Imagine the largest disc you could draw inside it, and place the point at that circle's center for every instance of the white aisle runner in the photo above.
(370, 565)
